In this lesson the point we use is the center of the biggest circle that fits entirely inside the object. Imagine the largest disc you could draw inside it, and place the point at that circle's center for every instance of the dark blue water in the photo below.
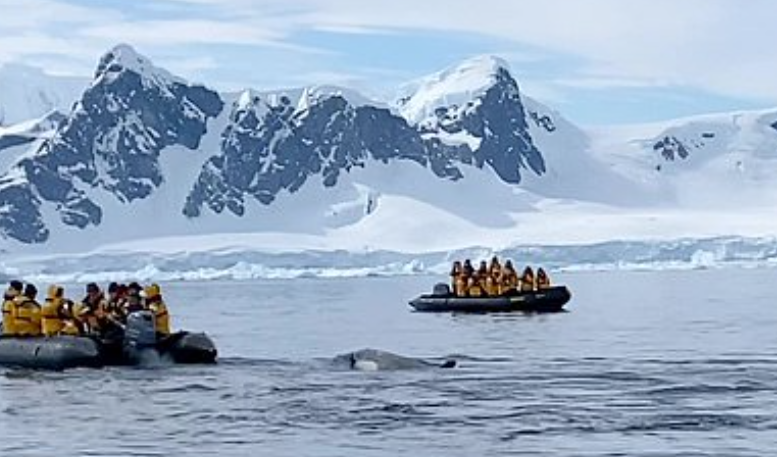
(643, 364)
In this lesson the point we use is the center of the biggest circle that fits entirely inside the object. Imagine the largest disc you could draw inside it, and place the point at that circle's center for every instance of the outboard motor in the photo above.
(140, 334)
(441, 290)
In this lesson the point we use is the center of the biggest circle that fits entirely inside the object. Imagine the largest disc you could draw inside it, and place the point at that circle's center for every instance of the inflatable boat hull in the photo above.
(62, 352)
(55, 353)
(185, 347)
(541, 301)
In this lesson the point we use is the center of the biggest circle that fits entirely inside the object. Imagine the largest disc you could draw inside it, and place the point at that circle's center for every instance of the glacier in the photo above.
(244, 264)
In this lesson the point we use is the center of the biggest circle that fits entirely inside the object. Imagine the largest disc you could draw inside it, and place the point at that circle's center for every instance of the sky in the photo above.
(598, 62)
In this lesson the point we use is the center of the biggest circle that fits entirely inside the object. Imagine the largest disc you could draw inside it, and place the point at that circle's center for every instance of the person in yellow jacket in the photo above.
(493, 281)
(9, 307)
(527, 279)
(462, 283)
(456, 274)
(90, 313)
(57, 314)
(543, 280)
(477, 283)
(509, 278)
(157, 306)
(28, 319)
(474, 289)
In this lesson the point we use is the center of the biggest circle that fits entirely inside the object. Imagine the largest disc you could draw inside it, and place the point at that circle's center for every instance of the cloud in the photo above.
(605, 83)
(720, 46)
(41, 14)
(717, 45)
(176, 32)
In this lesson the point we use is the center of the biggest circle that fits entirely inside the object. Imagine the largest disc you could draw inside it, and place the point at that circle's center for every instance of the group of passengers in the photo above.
(495, 279)
(95, 314)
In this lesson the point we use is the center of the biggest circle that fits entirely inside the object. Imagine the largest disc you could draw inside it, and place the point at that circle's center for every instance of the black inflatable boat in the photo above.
(56, 353)
(129, 346)
(540, 301)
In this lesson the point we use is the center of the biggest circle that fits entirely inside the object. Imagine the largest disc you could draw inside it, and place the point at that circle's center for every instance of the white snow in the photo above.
(455, 139)
(156, 260)
(29, 93)
(606, 193)
(124, 56)
(37, 130)
(310, 95)
(456, 85)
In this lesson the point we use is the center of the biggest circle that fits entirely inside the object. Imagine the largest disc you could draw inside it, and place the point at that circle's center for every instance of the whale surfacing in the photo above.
(377, 360)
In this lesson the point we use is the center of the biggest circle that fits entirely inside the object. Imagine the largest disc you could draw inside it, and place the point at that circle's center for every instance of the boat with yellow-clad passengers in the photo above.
(94, 332)
(548, 300)
(131, 346)
(494, 288)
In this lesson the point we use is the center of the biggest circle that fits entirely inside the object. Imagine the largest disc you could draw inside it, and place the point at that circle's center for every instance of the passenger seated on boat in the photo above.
(135, 298)
(116, 304)
(462, 284)
(132, 304)
(474, 287)
(468, 276)
(493, 281)
(527, 279)
(467, 268)
(456, 272)
(57, 313)
(28, 319)
(9, 307)
(135, 290)
(490, 286)
(157, 306)
(543, 281)
(112, 300)
(90, 313)
(509, 279)
(483, 268)
(477, 283)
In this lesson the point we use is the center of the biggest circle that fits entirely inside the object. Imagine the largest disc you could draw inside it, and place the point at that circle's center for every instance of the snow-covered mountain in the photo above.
(32, 104)
(724, 161)
(28, 93)
(461, 158)
(110, 141)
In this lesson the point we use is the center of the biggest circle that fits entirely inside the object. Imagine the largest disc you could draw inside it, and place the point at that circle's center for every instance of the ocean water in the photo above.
(643, 364)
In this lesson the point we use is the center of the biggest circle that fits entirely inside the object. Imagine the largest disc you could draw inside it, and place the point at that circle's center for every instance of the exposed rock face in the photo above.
(671, 148)
(111, 141)
(274, 144)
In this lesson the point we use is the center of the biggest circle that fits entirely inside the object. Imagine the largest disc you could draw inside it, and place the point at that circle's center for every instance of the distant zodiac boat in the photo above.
(547, 300)
(130, 347)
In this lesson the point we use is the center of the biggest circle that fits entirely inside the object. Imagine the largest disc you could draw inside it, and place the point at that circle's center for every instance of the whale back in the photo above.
(369, 359)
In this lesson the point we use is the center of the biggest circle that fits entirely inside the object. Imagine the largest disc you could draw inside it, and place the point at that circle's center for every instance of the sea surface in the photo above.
(671, 363)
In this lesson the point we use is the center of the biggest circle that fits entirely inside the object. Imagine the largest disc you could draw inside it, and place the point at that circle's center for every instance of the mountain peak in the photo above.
(124, 57)
(454, 85)
(483, 65)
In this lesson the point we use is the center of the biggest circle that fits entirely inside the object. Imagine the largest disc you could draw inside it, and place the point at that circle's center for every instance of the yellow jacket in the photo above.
(90, 315)
(28, 317)
(527, 281)
(55, 319)
(543, 281)
(461, 284)
(509, 280)
(9, 316)
(161, 316)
